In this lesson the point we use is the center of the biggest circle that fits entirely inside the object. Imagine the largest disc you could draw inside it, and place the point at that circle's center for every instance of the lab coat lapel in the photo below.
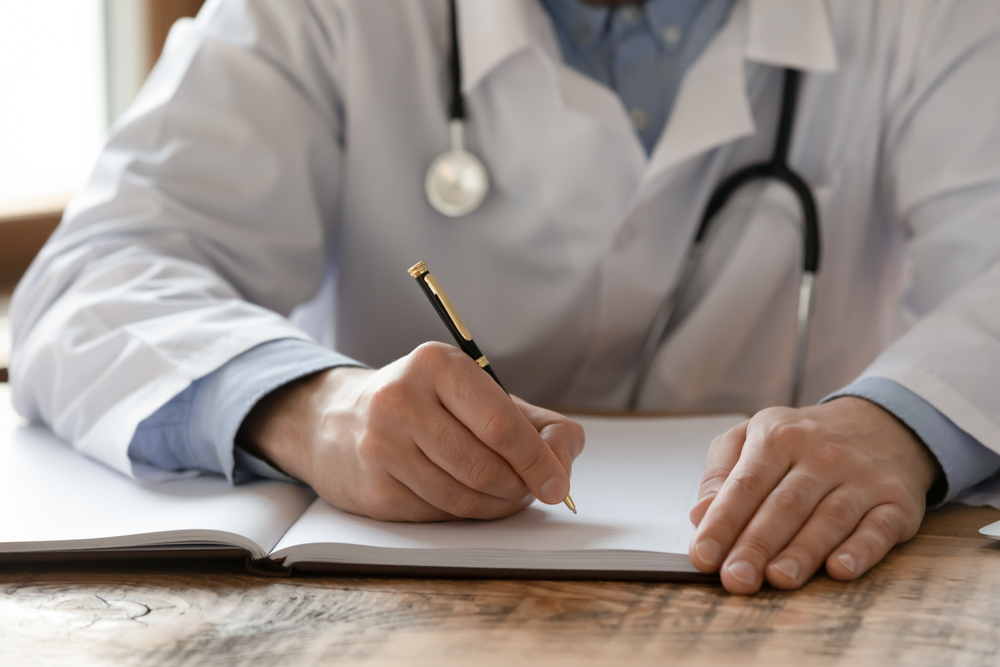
(491, 31)
(791, 33)
(712, 107)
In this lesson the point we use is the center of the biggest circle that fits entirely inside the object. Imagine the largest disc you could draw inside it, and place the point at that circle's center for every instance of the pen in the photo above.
(435, 294)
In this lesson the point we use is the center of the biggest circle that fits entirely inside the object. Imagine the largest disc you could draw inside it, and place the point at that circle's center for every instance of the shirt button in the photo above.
(582, 34)
(672, 33)
(640, 119)
(630, 14)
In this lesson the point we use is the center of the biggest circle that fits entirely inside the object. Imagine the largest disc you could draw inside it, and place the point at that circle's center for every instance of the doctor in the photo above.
(218, 296)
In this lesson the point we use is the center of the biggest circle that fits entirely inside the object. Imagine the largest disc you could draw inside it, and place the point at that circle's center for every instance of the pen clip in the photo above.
(446, 303)
(421, 273)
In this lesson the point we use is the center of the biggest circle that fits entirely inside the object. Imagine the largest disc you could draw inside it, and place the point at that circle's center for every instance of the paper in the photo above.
(633, 486)
(55, 499)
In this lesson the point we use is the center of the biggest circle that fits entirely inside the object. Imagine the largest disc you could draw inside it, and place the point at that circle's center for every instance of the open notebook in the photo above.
(633, 486)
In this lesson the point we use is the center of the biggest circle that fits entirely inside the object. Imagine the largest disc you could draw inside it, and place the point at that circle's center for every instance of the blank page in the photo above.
(633, 486)
(55, 499)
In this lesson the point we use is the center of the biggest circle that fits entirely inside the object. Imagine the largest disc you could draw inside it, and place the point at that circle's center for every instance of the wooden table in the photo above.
(933, 601)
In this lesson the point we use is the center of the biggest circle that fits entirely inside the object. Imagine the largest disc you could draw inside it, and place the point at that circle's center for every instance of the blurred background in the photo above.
(68, 69)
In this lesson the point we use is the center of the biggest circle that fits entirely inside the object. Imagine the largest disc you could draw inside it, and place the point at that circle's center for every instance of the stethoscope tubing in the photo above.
(776, 169)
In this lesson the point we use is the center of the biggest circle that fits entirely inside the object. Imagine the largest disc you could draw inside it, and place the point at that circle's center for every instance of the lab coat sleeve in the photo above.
(201, 228)
(197, 429)
(942, 186)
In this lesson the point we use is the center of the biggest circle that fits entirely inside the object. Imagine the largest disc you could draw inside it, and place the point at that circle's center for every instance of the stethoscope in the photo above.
(456, 181)
(457, 185)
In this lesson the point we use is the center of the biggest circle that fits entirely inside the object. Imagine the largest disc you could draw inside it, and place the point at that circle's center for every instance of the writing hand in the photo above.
(791, 489)
(429, 437)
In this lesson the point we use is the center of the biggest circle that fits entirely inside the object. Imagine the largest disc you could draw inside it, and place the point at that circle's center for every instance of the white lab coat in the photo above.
(276, 158)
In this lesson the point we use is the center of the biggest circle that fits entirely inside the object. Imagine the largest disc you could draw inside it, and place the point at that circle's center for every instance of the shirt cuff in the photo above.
(197, 429)
(964, 460)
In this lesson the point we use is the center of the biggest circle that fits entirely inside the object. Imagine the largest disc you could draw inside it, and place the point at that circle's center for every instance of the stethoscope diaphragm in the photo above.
(456, 182)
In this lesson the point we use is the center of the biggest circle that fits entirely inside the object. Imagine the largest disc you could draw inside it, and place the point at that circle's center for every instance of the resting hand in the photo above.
(430, 437)
(790, 489)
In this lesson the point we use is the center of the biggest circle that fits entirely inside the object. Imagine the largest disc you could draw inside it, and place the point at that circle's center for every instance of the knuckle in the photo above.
(721, 440)
(842, 512)
(711, 481)
(431, 354)
(500, 429)
(758, 546)
(887, 526)
(789, 502)
(389, 398)
(379, 501)
(576, 437)
(786, 435)
(465, 505)
(374, 450)
(725, 528)
(445, 437)
(831, 456)
(808, 554)
(484, 475)
(717, 474)
(910, 506)
(748, 483)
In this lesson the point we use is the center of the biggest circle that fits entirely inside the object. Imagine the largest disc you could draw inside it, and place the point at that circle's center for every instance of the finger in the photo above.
(788, 511)
(390, 500)
(761, 466)
(723, 454)
(882, 528)
(564, 436)
(411, 467)
(453, 448)
(834, 519)
(479, 403)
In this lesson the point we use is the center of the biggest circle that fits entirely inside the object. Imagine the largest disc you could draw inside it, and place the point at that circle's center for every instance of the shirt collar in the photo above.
(662, 15)
(585, 23)
(789, 33)
(588, 24)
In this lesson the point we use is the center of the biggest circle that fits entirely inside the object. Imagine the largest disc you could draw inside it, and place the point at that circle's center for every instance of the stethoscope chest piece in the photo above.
(456, 182)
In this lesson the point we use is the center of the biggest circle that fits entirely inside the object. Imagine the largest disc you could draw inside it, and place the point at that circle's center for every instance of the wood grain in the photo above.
(933, 601)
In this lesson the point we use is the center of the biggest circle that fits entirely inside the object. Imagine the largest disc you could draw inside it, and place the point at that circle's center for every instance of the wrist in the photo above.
(282, 427)
(927, 471)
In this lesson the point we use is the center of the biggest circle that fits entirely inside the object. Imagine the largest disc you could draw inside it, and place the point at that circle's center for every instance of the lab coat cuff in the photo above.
(964, 460)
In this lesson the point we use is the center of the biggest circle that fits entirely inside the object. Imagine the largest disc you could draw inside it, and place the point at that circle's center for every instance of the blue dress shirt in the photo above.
(639, 51)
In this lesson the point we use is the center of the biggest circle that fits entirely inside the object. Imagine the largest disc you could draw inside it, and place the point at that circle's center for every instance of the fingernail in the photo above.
(847, 560)
(743, 572)
(554, 490)
(787, 567)
(709, 551)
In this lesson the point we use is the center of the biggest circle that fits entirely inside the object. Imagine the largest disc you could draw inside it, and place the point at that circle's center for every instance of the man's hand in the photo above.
(430, 437)
(788, 490)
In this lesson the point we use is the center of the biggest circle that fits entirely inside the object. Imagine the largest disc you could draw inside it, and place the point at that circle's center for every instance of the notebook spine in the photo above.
(266, 567)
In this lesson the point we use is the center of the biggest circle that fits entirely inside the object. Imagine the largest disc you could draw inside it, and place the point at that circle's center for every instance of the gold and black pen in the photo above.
(435, 294)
